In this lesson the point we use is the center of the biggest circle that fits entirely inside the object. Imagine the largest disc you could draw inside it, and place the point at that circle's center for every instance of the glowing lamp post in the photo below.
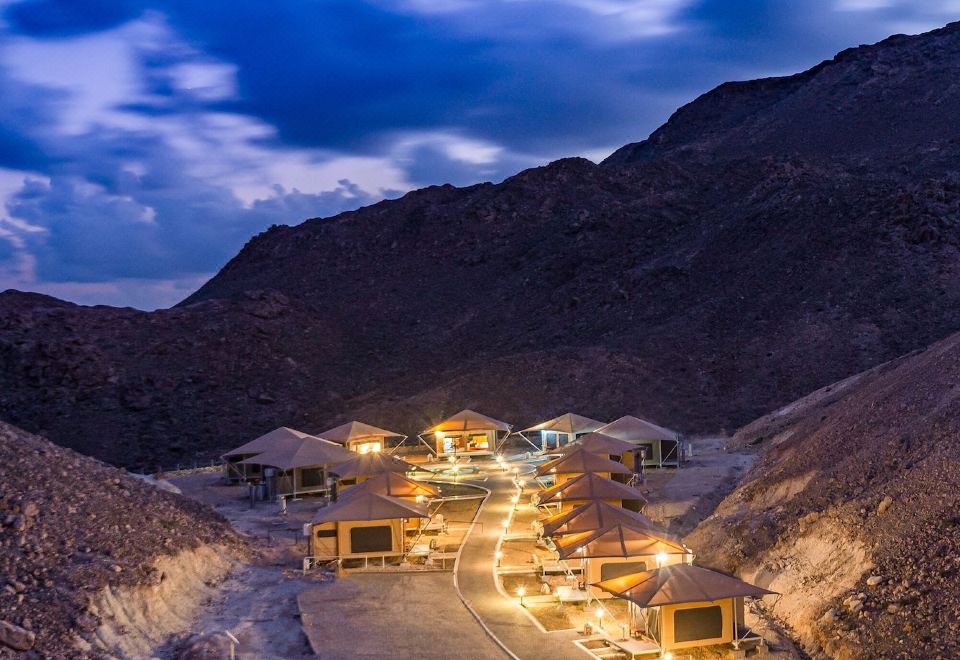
(499, 556)
(520, 592)
(599, 614)
(661, 559)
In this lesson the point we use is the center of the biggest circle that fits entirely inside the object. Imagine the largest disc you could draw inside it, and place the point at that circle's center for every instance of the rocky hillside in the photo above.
(852, 511)
(74, 532)
(684, 280)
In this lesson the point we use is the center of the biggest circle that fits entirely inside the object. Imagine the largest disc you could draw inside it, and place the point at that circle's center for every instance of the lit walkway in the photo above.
(475, 576)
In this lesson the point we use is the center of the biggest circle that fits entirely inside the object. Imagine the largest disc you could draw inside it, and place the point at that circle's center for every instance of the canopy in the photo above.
(393, 484)
(365, 465)
(589, 486)
(281, 438)
(354, 430)
(306, 452)
(567, 423)
(679, 583)
(369, 506)
(634, 429)
(469, 420)
(593, 516)
(580, 460)
(598, 443)
(617, 540)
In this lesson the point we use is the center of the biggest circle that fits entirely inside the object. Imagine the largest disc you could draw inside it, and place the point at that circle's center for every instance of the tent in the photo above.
(394, 484)
(367, 465)
(360, 437)
(302, 463)
(660, 446)
(594, 516)
(682, 606)
(367, 524)
(557, 432)
(277, 439)
(599, 443)
(467, 432)
(579, 461)
(588, 487)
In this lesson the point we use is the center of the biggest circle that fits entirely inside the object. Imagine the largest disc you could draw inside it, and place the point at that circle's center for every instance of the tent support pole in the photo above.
(427, 445)
(393, 450)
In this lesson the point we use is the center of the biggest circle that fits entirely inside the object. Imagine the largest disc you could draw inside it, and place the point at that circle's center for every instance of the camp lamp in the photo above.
(498, 555)
(661, 558)
(520, 592)
(668, 656)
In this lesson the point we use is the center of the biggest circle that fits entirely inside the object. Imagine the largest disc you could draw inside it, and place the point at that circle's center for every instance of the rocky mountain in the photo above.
(853, 511)
(70, 576)
(774, 236)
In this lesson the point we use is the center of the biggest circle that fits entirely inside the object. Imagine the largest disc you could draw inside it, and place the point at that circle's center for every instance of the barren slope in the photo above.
(859, 480)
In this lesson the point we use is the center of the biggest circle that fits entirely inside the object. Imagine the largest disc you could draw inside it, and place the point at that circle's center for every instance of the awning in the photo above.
(567, 423)
(355, 430)
(306, 452)
(617, 540)
(365, 465)
(595, 516)
(579, 461)
(369, 506)
(589, 486)
(598, 443)
(280, 438)
(469, 420)
(634, 429)
(393, 484)
(679, 583)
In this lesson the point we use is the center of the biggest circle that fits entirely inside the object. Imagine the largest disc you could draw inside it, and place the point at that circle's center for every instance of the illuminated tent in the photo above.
(557, 432)
(595, 516)
(684, 606)
(661, 446)
(617, 540)
(282, 438)
(588, 487)
(579, 461)
(360, 437)
(366, 465)
(599, 443)
(393, 484)
(466, 432)
(365, 525)
(302, 462)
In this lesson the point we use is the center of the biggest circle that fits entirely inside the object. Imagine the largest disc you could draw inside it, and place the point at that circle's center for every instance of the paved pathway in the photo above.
(477, 583)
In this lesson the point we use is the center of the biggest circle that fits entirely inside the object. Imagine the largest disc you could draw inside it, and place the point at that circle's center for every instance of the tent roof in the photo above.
(581, 460)
(279, 438)
(354, 430)
(679, 583)
(599, 443)
(567, 423)
(634, 429)
(590, 486)
(306, 452)
(617, 540)
(469, 420)
(369, 506)
(595, 515)
(365, 465)
(393, 484)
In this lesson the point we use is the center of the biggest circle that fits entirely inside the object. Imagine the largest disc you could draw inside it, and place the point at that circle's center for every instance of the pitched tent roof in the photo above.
(393, 484)
(679, 583)
(369, 506)
(279, 438)
(365, 465)
(599, 443)
(589, 486)
(581, 460)
(617, 540)
(592, 516)
(306, 452)
(567, 423)
(354, 430)
(634, 429)
(469, 420)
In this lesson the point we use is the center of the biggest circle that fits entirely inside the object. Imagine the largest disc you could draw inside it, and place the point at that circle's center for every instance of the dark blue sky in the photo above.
(143, 142)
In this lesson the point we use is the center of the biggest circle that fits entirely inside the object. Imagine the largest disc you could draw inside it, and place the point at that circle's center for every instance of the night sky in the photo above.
(142, 143)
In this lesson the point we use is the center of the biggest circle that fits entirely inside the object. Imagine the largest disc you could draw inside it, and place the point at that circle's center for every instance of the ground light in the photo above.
(668, 656)
(520, 592)
(499, 555)
(599, 614)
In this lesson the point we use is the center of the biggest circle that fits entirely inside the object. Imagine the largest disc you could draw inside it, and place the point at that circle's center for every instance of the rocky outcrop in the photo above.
(851, 512)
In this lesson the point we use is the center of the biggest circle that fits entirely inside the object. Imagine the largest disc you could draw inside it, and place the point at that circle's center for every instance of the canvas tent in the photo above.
(599, 443)
(579, 461)
(367, 465)
(301, 465)
(278, 439)
(660, 446)
(559, 431)
(394, 484)
(594, 516)
(682, 606)
(588, 487)
(365, 525)
(360, 437)
(467, 432)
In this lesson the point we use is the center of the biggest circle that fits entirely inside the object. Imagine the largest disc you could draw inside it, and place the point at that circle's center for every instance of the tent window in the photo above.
(612, 570)
(478, 443)
(550, 440)
(311, 477)
(371, 539)
(326, 533)
(562, 439)
(647, 450)
(698, 623)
